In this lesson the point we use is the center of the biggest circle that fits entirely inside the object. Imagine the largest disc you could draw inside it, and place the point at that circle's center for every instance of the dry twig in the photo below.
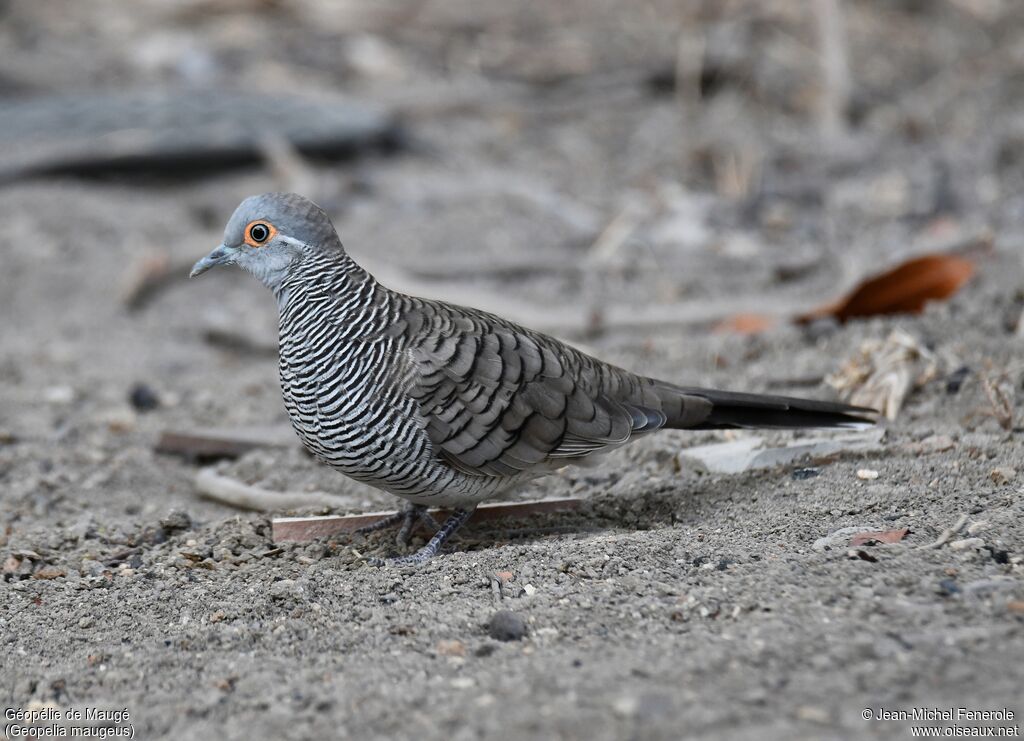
(212, 485)
(947, 534)
(303, 529)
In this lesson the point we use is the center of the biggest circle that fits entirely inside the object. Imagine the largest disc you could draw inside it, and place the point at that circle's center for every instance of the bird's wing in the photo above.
(498, 400)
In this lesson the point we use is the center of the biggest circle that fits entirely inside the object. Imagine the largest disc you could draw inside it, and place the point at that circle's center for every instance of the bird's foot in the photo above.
(454, 522)
(409, 517)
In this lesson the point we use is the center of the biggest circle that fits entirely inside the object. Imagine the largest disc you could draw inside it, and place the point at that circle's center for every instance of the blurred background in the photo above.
(665, 184)
(627, 176)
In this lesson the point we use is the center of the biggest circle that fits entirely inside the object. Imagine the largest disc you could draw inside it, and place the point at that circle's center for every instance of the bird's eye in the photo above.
(259, 233)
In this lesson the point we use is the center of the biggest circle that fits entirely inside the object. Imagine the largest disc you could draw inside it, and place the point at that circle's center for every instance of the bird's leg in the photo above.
(454, 522)
(409, 517)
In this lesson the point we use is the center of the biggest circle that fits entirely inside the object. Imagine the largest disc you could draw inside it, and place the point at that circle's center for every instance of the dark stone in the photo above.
(956, 379)
(506, 625)
(948, 587)
(176, 519)
(143, 398)
(999, 556)
(801, 474)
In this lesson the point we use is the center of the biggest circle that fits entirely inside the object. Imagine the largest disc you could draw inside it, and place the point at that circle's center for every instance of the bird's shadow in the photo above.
(662, 505)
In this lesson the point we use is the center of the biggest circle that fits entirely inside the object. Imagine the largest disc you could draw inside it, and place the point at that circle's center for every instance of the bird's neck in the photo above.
(333, 281)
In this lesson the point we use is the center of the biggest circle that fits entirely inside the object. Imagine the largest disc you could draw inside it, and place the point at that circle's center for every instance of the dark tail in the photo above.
(707, 409)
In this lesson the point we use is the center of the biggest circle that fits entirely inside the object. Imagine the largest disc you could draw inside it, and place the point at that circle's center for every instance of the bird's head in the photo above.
(270, 233)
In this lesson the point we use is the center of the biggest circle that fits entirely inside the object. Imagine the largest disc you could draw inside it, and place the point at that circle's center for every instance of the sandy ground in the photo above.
(675, 603)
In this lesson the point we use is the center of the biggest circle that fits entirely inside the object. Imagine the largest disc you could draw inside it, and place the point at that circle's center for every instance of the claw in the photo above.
(454, 522)
(410, 517)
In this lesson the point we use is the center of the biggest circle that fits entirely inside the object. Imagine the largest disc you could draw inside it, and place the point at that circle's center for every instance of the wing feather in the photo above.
(498, 400)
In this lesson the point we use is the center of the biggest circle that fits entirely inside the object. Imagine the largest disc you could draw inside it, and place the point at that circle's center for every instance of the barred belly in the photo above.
(368, 429)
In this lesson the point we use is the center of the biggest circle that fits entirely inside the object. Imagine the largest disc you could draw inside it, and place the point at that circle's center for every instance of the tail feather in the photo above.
(727, 409)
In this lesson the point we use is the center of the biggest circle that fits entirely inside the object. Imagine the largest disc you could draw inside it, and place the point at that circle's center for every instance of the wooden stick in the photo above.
(148, 276)
(212, 485)
(835, 68)
(304, 529)
(223, 443)
(947, 534)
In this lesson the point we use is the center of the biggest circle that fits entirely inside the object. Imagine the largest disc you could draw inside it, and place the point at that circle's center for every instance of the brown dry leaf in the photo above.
(903, 290)
(883, 373)
(746, 324)
(881, 536)
(1001, 394)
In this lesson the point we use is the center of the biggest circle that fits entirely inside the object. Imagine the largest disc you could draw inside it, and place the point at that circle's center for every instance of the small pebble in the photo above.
(931, 444)
(867, 474)
(626, 706)
(506, 625)
(947, 587)
(92, 567)
(176, 519)
(801, 474)
(143, 398)
(59, 395)
(859, 554)
(451, 648)
(1003, 475)
(285, 588)
(967, 544)
(11, 564)
(813, 714)
(1000, 556)
(956, 379)
(118, 420)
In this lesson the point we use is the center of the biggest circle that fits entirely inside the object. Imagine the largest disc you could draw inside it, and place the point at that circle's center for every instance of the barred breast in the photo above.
(345, 381)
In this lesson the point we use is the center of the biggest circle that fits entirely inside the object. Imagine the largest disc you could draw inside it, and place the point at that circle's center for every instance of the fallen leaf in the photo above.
(904, 289)
(1001, 396)
(882, 373)
(1016, 606)
(746, 324)
(879, 536)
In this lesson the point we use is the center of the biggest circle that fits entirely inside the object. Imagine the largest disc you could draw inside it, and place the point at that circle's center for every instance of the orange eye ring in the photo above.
(258, 233)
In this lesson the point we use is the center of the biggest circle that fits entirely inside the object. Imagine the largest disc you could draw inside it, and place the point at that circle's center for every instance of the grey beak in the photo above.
(222, 255)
